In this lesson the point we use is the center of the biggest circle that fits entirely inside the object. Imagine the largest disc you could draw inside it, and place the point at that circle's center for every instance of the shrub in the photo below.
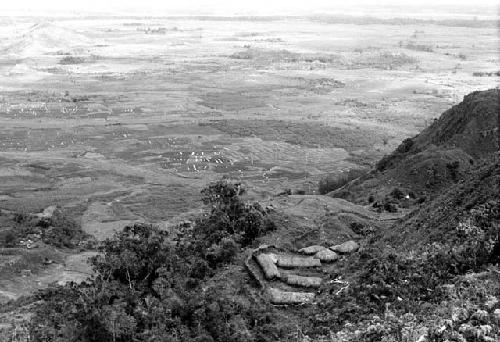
(390, 207)
(61, 230)
(419, 47)
(67, 60)
(397, 193)
(421, 199)
(148, 289)
(224, 252)
(453, 169)
(9, 239)
(360, 228)
(230, 216)
(20, 217)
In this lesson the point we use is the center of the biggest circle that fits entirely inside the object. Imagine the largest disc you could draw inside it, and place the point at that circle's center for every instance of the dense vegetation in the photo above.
(58, 230)
(149, 286)
(429, 285)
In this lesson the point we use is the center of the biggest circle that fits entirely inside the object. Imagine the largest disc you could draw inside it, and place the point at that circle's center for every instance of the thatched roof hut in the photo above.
(296, 280)
(267, 263)
(284, 297)
(289, 261)
(312, 249)
(326, 255)
(346, 247)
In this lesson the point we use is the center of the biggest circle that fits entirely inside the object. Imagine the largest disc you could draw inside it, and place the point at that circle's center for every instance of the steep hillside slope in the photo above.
(439, 220)
(436, 158)
(433, 274)
(471, 126)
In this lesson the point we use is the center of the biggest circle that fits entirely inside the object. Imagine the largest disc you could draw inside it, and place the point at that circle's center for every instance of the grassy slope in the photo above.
(435, 220)
(437, 157)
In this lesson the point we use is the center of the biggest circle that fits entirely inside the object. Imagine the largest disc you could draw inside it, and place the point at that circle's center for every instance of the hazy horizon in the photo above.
(389, 8)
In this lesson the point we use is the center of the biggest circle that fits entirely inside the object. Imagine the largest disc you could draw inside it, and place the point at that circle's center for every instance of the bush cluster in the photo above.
(59, 230)
(411, 282)
(67, 60)
(147, 287)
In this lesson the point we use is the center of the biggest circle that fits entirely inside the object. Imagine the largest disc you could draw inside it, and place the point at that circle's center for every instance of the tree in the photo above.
(230, 216)
(148, 288)
(9, 239)
(135, 255)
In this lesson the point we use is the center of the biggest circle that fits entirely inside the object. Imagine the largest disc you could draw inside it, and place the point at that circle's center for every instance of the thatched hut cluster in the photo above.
(301, 271)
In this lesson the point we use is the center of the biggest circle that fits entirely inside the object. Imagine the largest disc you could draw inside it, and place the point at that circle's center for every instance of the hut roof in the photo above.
(267, 263)
(312, 249)
(296, 280)
(326, 255)
(290, 261)
(284, 297)
(346, 247)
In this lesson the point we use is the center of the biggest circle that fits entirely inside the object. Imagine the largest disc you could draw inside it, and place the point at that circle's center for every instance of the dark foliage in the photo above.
(410, 283)
(230, 216)
(334, 182)
(397, 193)
(453, 169)
(9, 239)
(68, 60)
(148, 288)
(59, 230)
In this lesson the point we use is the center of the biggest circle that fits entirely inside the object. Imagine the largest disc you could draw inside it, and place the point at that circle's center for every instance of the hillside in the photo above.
(437, 157)
(477, 193)
(471, 126)
(433, 274)
(45, 38)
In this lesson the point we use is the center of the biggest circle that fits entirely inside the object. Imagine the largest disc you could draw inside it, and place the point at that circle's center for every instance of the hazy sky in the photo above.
(166, 7)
